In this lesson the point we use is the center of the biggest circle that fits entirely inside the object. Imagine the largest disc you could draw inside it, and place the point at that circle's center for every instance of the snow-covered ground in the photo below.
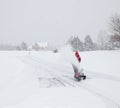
(45, 80)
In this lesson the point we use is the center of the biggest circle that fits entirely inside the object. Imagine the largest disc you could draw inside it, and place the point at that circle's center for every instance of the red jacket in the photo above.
(77, 56)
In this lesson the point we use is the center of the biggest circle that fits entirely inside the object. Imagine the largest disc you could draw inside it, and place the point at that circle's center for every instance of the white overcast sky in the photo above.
(53, 21)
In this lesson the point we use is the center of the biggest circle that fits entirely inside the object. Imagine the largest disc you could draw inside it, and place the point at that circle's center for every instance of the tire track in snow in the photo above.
(53, 77)
(55, 82)
(109, 102)
(50, 65)
(95, 75)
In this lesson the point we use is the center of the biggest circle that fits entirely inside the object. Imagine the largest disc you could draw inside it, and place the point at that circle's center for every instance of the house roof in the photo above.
(42, 44)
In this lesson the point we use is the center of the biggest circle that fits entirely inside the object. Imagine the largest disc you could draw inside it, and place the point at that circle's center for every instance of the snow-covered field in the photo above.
(45, 80)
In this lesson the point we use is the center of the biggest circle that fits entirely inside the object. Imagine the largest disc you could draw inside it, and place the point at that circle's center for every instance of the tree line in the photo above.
(107, 40)
(23, 46)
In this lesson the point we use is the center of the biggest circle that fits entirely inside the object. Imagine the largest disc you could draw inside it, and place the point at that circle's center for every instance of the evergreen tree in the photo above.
(75, 43)
(88, 43)
(36, 47)
(23, 46)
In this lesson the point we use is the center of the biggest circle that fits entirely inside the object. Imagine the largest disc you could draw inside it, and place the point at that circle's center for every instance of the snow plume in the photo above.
(68, 55)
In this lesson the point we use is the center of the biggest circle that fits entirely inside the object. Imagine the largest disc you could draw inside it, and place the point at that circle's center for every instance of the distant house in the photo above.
(39, 46)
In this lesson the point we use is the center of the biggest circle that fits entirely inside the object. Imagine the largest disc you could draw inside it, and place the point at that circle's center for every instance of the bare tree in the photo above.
(115, 27)
(114, 41)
